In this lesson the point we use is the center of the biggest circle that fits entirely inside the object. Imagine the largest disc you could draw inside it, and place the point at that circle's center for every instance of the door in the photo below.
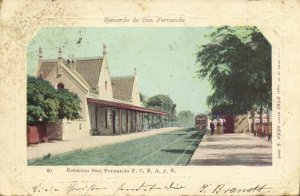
(114, 121)
(229, 124)
(96, 120)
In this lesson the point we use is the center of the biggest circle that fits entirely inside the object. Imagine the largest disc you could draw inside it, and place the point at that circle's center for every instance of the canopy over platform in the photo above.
(124, 106)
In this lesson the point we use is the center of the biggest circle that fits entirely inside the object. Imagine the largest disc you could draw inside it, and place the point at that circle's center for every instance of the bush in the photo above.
(46, 104)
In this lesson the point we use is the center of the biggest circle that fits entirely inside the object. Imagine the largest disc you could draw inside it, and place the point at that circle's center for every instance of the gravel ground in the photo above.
(232, 149)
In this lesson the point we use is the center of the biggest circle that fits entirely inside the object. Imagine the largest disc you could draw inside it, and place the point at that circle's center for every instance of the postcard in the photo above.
(149, 98)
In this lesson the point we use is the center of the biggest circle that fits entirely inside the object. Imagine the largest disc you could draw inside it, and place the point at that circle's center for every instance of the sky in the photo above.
(164, 57)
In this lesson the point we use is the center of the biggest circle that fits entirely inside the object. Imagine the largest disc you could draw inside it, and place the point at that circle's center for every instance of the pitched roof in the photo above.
(122, 87)
(76, 79)
(46, 67)
(88, 68)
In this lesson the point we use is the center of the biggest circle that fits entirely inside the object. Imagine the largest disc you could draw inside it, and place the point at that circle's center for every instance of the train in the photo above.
(201, 122)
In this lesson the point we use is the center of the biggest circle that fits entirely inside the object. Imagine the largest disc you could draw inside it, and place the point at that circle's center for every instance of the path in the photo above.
(232, 149)
(57, 147)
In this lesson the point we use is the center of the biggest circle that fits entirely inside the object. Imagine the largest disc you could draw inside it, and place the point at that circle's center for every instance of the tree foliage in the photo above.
(162, 103)
(46, 104)
(237, 62)
(69, 105)
(143, 99)
(186, 119)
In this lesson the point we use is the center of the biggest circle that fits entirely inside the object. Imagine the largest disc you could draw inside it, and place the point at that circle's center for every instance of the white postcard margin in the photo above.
(20, 20)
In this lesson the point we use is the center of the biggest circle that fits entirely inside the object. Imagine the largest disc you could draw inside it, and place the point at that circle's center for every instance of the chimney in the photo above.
(71, 63)
(104, 50)
(134, 71)
(68, 60)
(73, 59)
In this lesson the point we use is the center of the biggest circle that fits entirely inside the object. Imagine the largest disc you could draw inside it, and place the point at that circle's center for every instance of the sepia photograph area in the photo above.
(198, 96)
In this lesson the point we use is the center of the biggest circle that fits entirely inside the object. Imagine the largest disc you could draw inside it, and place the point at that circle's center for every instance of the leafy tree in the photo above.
(237, 62)
(143, 99)
(46, 104)
(186, 119)
(69, 105)
(42, 104)
(162, 103)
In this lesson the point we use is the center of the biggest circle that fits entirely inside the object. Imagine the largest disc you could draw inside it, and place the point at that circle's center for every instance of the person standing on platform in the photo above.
(224, 123)
(218, 127)
(212, 127)
(221, 120)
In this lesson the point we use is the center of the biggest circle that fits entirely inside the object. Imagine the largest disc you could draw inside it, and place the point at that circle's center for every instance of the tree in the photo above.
(162, 103)
(42, 104)
(69, 105)
(237, 62)
(143, 99)
(186, 119)
(46, 104)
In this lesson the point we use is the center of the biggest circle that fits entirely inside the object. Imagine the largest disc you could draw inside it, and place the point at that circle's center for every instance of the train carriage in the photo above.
(201, 122)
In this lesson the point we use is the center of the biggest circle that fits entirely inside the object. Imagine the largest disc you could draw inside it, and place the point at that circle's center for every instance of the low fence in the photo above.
(36, 134)
(61, 130)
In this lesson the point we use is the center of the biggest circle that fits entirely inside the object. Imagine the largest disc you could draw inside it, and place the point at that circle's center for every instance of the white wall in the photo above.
(54, 130)
(136, 100)
(72, 86)
(105, 93)
(67, 130)
(75, 129)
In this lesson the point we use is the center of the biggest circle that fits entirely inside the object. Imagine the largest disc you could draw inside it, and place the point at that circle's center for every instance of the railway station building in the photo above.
(110, 105)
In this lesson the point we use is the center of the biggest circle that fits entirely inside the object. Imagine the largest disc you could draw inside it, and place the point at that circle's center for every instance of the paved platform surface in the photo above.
(57, 147)
(232, 149)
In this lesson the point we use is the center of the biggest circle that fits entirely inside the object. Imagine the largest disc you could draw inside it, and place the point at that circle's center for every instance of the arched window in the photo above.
(60, 86)
(105, 85)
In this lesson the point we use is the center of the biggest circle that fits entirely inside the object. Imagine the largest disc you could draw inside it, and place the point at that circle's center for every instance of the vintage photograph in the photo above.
(199, 96)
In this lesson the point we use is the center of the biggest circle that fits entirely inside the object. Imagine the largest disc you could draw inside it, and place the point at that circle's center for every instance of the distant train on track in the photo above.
(201, 121)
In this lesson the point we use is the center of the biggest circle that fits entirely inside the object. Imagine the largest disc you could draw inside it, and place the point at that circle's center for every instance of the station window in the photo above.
(106, 116)
(60, 86)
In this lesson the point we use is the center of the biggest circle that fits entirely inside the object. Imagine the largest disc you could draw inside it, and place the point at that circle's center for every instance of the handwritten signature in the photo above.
(87, 188)
(71, 188)
(149, 187)
(124, 187)
(222, 189)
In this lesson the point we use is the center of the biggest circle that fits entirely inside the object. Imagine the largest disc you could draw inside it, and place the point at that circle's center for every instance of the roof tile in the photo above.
(122, 87)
